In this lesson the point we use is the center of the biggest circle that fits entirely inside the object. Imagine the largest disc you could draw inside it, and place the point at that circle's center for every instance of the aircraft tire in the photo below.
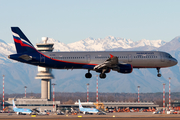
(102, 75)
(159, 75)
(88, 75)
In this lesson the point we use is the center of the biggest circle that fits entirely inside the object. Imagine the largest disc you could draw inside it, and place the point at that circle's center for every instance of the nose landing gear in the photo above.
(158, 70)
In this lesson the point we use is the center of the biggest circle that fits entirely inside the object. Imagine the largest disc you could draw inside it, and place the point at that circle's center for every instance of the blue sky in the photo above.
(73, 20)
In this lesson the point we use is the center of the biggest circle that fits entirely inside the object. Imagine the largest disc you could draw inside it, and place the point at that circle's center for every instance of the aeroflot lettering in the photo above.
(145, 53)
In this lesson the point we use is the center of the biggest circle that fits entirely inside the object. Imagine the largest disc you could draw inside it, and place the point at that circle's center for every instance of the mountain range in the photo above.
(18, 75)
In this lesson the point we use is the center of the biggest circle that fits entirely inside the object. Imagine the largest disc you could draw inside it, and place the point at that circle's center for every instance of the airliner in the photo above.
(21, 110)
(100, 61)
(87, 110)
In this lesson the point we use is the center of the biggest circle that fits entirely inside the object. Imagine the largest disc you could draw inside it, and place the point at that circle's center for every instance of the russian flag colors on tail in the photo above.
(21, 41)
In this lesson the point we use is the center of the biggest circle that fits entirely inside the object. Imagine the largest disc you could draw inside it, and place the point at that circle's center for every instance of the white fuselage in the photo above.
(138, 59)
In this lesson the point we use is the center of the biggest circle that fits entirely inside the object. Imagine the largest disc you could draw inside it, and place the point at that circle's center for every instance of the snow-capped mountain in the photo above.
(107, 43)
(152, 43)
(5, 50)
(18, 75)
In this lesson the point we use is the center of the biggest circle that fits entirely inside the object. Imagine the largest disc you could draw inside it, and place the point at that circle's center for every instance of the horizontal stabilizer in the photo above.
(26, 57)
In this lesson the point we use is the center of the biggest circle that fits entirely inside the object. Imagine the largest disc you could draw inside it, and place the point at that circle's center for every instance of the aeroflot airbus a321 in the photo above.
(99, 61)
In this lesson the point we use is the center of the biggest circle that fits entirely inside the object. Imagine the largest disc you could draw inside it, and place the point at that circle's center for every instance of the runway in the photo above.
(109, 116)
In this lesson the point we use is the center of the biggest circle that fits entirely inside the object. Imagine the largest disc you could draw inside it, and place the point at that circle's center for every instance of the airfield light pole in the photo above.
(53, 95)
(25, 90)
(169, 93)
(3, 92)
(138, 93)
(87, 92)
(164, 98)
(97, 89)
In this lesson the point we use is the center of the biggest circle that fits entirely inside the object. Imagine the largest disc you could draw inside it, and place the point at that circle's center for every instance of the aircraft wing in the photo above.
(109, 63)
(112, 63)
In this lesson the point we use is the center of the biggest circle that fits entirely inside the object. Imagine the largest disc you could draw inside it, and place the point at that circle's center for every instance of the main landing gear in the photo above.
(158, 70)
(88, 75)
(102, 75)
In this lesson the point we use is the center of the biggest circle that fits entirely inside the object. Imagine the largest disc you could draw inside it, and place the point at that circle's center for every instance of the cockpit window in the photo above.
(169, 56)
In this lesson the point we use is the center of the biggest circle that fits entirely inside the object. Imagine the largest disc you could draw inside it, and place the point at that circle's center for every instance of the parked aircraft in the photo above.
(99, 61)
(87, 110)
(21, 110)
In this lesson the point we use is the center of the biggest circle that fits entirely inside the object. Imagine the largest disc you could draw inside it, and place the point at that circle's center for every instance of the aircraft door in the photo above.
(42, 58)
(162, 57)
(129, 58)
(88, 58)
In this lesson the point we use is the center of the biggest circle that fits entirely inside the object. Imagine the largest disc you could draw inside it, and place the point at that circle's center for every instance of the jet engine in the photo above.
(124, 68)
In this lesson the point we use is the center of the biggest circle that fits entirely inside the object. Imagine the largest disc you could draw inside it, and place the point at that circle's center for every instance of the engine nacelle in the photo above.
(124, 68)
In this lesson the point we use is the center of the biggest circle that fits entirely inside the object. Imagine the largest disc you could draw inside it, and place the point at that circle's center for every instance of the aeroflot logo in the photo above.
(24, 41)
(145, 53)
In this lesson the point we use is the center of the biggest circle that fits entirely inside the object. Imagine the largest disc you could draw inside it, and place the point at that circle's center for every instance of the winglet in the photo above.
(111, 55)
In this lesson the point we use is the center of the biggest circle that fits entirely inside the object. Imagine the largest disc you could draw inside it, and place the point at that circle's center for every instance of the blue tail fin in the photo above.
(80, 106)
(21, 41)
(14, 106)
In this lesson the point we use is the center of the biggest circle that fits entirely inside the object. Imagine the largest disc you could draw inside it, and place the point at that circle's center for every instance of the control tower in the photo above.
(45, 73)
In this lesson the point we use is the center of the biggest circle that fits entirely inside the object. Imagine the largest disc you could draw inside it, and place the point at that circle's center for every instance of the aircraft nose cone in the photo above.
(174, 61)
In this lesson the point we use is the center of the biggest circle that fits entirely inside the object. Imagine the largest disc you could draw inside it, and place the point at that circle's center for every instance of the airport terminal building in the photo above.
(39, 104)
(45, 105)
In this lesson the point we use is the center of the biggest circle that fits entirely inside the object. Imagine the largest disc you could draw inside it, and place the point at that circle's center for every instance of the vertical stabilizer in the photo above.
(21, 41)
(14, 106)
(80, 106)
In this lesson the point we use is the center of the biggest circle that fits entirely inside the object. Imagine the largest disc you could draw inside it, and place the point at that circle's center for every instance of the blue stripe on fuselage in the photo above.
(49, 62)
(65, 64)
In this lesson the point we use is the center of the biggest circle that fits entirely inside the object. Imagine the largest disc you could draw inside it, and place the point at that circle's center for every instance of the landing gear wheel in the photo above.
(102, 75)
(159, 75)
(158, 70)
(88, 75)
